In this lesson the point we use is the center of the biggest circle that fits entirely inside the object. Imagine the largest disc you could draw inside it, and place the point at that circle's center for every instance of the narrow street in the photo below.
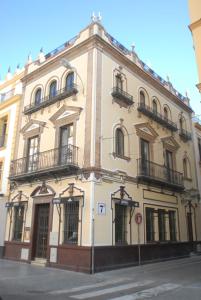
(176, 279)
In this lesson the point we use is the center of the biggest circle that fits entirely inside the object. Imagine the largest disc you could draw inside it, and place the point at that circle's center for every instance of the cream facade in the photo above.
(10, 97)
(195, 27)
(104, 143)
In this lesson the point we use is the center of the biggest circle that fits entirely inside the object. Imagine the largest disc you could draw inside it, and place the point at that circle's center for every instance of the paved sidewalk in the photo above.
(178, 279)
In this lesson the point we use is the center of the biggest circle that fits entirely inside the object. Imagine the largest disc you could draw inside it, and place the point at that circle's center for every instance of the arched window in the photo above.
(119, 138)
(37, 98)
(69, 81)
(53, 89)
(185, 168)
(165, 113)
(142, 98)
(154, 104)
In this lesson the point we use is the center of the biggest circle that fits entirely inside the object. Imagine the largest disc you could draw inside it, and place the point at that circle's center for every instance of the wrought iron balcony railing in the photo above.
(156, 116)
(158, 174)
(46, 101)
(63, 159)
(3, 140)
(185, 135)
(122, 95)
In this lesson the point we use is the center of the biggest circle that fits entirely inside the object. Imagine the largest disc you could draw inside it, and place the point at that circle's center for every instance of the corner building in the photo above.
(102, 138)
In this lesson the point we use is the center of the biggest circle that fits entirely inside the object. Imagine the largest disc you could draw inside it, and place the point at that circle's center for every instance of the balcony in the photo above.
(148, 111)
(3, 140)
(185, 135)
(62, 161)
(46, 101)
(124, 98)
(149, 172)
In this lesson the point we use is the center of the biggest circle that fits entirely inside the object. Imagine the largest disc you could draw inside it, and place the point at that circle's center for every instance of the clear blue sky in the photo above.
(159, 30)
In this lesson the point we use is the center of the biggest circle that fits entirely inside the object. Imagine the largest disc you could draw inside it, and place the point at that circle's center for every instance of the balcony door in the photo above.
(145, 157)
(66, 142)
(32, 154)
(169, 165)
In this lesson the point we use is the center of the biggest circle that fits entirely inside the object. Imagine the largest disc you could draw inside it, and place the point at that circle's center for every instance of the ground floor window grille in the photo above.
(161, 225)
(120, 224)
(150, 224)
(71, 219)
(172, 225)
(18, 223)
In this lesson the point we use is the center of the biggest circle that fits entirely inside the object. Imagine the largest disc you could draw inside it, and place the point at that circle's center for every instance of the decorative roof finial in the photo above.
(133, 47)
(17, 71)
(95, 18)
(41, 56)
(9, 75)
(29, 59)
(99, 18)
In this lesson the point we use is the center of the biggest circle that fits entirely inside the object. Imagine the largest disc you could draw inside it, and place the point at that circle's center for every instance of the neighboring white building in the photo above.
(10, 96)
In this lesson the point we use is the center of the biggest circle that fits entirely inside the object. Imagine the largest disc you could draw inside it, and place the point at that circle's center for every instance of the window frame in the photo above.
(67, 217)
(121, 228)
(18, 222)
(119, 142)
(53, 89)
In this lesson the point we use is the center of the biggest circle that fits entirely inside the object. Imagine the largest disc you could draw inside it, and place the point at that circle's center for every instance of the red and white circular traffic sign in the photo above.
(138, 218)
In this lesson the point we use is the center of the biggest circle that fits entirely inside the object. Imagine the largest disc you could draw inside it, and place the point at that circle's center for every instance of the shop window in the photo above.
(172, 225)
(150, 224)
(18, 222)
(53, 89)
(71, 220)
(161, 225)
(38, 96)
(120, 224)
(119, 138)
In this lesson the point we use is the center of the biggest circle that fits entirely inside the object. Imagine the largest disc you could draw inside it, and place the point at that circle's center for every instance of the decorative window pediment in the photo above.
(170, 143)
(65, 115)
(43, 190)
(33, 127)
(146, 131)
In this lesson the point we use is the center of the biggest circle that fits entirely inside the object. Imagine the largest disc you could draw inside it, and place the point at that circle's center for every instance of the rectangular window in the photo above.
(172, 225)
(71, 220)
(18, 223)
(199, 147)
(150, 224)
(66, 140)
(120, 224)
(32, 154)
(161, 225)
